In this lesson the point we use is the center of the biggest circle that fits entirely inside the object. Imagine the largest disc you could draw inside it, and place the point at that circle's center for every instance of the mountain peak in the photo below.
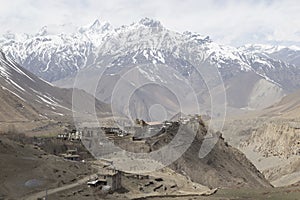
(150, 22)
(9, 35)
(2, 55)
(43, 31)
(96, 27)
(197, 37)
(261, 48)
(96, 24)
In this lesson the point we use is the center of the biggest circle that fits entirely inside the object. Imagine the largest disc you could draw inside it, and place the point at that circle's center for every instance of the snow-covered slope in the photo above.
(26, 86)
(27, 97)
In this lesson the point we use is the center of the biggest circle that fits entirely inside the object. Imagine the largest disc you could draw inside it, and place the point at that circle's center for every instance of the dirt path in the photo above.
(59, 189)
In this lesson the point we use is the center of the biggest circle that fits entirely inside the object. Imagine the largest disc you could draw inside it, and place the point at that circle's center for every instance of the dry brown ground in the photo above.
(25, 169)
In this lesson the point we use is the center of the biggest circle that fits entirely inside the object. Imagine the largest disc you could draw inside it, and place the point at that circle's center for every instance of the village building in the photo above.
(132, 129)
(63, 136)
(112, 179)
(71, 155)
(73, 135)
(107, 176)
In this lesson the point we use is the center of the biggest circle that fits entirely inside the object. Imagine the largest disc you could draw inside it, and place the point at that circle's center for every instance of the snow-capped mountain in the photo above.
(158, 55)
(153, 53)
(56, 56)
(288, 54)
(53, 57)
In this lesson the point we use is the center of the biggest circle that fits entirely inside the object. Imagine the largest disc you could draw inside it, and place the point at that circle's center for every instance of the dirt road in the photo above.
(59, 189)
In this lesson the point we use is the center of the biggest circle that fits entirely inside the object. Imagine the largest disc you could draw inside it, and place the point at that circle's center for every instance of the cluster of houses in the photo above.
(137, 132)
(108, 178)
(189, 118)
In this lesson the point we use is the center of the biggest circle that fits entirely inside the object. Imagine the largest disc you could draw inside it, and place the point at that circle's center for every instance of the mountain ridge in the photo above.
(192, 57)
(87, 39)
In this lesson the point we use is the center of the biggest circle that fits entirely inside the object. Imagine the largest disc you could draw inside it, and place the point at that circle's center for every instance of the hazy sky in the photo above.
(234, 22)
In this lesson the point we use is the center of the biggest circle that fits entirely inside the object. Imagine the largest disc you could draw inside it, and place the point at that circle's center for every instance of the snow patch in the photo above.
(57, 113)
(48, 100)
(145, 53)
(146, 74)
(4, 88)
(4, 72)
(16, 68)
(178, 77)
(16, 85)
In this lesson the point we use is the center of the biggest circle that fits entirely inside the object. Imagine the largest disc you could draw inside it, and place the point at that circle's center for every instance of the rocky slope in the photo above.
(276, 138)
(27, 98)
(270, 139)
(271, 145)
(224, 166)
(14, 108)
